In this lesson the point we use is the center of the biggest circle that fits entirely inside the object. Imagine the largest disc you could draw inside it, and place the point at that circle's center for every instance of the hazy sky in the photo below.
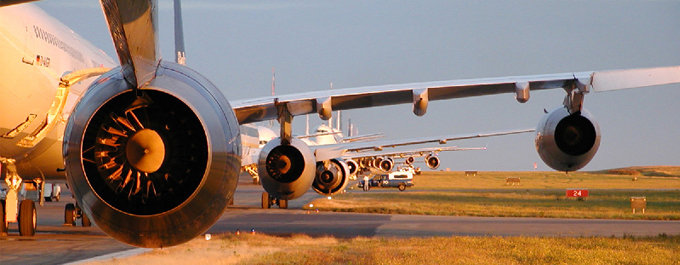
(356, 43)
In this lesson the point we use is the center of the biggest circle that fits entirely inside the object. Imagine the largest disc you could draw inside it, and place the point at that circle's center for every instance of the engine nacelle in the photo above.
(386, 164)
(153, 167)
(331, 177)
(286, 171)
(409, 160)
(567, 142)
(432, 161)
(352, 166)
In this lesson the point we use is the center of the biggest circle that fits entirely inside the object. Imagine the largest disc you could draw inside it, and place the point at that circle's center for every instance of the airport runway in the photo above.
(55, 244)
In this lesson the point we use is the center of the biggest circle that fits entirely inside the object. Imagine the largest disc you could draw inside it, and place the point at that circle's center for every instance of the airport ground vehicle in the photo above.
(395, 179)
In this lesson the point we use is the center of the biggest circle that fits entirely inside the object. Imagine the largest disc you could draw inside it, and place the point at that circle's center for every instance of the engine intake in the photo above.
(567, 142)
(145, 162)
(286, 171)
(432, 161)
(331, 177)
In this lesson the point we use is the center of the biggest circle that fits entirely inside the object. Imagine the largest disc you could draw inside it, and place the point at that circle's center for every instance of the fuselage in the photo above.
(36, 50)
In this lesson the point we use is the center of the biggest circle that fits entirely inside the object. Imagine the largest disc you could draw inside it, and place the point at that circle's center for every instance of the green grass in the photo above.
(540, 194)
(301, 249)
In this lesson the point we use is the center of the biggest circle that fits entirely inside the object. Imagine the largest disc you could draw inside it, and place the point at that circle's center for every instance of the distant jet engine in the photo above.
(376, 162)
(567, 142)
(353, 166)
(410, 160)
(164, 157)
(432, 161)
(331, 177)
(286, 171)
(386, 164)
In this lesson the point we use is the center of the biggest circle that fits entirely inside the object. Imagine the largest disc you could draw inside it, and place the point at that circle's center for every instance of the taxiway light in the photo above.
(208, 236)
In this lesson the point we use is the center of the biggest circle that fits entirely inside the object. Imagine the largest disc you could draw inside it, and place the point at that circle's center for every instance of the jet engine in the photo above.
(164, 157)
(286, 170)
(332, 177)
(386, 164)
(567, 142)
(432, 161)
(410, 160)
(352, 166)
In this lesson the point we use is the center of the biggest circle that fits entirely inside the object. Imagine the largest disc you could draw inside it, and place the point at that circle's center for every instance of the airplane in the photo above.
(152, 149)
(385, 161)
(334, 166)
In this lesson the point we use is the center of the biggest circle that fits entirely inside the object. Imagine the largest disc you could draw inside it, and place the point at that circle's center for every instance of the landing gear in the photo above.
(28, 218)
(268, 201)
(12, 211)
(3, 224)
(70, 215)
(72, 212)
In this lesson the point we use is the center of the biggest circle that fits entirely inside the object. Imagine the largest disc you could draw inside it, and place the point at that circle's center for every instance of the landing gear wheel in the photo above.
(283, 204)
(266, 201)
(3, 223)
(85, 221)
(28, 219)
(402, 187)
(70, 215)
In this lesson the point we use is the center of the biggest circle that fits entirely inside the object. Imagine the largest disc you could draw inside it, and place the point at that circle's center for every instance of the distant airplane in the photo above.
(335, 166)
(152, 149)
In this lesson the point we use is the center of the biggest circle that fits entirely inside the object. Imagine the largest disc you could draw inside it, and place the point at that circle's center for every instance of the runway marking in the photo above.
(116, 255)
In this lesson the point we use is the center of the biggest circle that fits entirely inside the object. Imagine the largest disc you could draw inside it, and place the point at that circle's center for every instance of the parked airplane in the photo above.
(334, 167)
(152, 150)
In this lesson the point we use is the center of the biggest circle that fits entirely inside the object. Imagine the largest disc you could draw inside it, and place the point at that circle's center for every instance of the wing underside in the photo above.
(419, 94)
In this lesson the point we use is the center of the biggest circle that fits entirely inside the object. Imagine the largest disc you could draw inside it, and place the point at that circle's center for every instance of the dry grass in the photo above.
(300, 249)
(540, 194)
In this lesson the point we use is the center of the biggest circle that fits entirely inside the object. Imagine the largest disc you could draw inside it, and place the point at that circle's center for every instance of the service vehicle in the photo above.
(396, 179)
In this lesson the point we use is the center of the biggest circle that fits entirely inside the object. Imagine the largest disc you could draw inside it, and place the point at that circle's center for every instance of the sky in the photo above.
(311, 44)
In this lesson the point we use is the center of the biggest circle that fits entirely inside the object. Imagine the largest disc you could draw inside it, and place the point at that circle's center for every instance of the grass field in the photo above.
(540, 194)
(301, 249)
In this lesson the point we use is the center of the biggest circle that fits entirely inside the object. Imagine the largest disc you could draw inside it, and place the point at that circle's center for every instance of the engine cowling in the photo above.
(331, 177)
(153, 167)
(386, 164)
(432, 161)
(567, 142)
(286, 170)
(352, 166)
(409, 160)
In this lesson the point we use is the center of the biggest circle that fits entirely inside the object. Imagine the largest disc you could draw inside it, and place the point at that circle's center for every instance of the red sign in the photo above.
(577, 193)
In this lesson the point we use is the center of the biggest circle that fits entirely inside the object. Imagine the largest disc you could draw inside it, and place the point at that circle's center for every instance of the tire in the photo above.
(3, 223)
(84, 220)
(402, 187)
(266, 202)
(28, 218)
(70, 215)
(283, 204)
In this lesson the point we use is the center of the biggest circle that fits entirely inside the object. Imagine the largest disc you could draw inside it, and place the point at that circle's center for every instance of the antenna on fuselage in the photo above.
(179, 34)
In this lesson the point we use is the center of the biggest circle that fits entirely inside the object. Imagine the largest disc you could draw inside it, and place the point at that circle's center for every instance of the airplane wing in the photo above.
(414, 153)
(338, 150)
(419, 94)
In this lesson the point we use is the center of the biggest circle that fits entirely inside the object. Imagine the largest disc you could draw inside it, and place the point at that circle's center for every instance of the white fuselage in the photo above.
(35, 52)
